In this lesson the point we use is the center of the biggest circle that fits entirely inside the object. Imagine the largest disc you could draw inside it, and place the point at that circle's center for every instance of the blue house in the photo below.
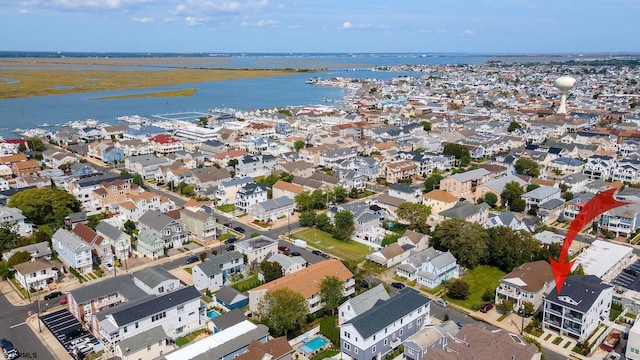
(82, 169)
(112, 154)
(231, 298)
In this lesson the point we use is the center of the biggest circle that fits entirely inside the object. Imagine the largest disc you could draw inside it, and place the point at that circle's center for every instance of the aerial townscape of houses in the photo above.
(159, 262)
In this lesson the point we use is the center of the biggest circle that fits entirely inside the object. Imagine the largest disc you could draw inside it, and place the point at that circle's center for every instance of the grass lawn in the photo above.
(227, 208)
(433, 291)
(225, 236)
(22, 291)
(347, 250)
(247, 284)
(181, 341)
(614, 313)
(557, 340)
(479, 279)
(188, 270)
(327, 353)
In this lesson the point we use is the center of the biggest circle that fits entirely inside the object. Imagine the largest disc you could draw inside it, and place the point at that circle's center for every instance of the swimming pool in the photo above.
(212, 314)
(313, 345)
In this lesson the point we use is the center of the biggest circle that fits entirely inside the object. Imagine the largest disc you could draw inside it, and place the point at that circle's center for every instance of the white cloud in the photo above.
(260, 23)
(346, 25)
(24, 11)
(142, 20)
(195, 21)
(257, 4)
(85, 4)
(469, 33)
(294, 27)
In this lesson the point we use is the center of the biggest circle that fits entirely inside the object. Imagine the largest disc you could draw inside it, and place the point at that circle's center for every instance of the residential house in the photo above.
(72, 251)
(627, 171)
(178, 312)
(430, 338)
(271, 210)
(367, 167)
(82, 187)
(249, 195)
(151, 344)
(362, 303)
(574, 206)
(464, 184)
(89, 134)
(297, 168)
(465, 210)
(385, 326)
(257, 248)
(37, 251)
(134, 147)
(79, 169)
(475, 341)
(418, 240)
(144, 165)
(497, 186)
(36, 274)
(633, 343)
(283, 188)
(367, 222)
(351, 179)
(199, 224)
(575, 182)
(406, 191)
(23, 168)
(216, 270)
(255, 165)
(390, 255)
(333, 158)
(530, 282)
(119, 240)
(439, 200)
(155, 226)
(579, 310)
(4, 184)
(100, 248)
(509, 219)
(541, 195)
(231, 298)
(227, 190)
(113, 131)
(110, 193)
(35, 180)
(550, 210)
(289, 264)
(565, 165)
(397, 171)
(13, 219)
(430, 267)
(106, 152)
(54, 158)
(156, 280)
(165, 144)
(306, 282)
(98, 296)
(599, 167)
(138, 204)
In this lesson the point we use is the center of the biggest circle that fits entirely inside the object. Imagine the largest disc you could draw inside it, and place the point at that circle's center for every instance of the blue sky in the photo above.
(419, 26)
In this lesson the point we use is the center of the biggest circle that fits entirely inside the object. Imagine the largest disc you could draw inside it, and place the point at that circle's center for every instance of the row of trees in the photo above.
(342, 227)
(501, 246)
(319, 199)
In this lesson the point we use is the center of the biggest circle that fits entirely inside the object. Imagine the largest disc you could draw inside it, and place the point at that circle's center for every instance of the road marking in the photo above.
(16, 325)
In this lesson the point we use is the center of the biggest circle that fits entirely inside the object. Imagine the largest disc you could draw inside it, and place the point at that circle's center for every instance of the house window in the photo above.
(401, 332)
(356, 350)
(136, 325)
(373, 349)
(148, 347)
(125, 329)
(386, 342)
(347, 345)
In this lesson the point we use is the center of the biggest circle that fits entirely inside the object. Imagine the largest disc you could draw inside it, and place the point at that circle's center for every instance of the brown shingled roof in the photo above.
(534, 274)
(87, 234)
(441, 195)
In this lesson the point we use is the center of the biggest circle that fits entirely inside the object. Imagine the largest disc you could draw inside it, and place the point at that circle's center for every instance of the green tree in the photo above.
(528, 308)
(323, 223)
(137, 179)
(518, 205)
(529, 167)
(282, 310)
(340, 193)
(270, 180)
(509, 249)
(426, 126)
(579, 271)
(456, 150)
(416, 214)
(271, 270)
(488, 294)
(512, 191)
(129, 227)
(286, 177)
(303, 200)
(457, 289)
(5, 270)
(532, 186)
(432, 182)
(513, 126)
(505, 306)
(468, 242)
(22, 148)
(8, 236)
(232, 163)
(343, 225)
(35, 144)
(491, 199)
(94, 220)
(307, 218)
(331, 292)
(19, 257)
(298, 145)
(568, 196)
(319, 199)
(45, 205)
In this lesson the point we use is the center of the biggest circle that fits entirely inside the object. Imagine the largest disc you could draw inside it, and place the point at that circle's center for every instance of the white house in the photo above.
(530, 282)
(14, 218)
(359, 304)
(216, 271)
(257, 248)
(249, 195)
(37, 274)
(429, 267)
(72, 251)
(541, 195)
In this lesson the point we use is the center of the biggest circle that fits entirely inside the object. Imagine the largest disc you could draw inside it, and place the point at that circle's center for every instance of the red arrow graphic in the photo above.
(599, 204)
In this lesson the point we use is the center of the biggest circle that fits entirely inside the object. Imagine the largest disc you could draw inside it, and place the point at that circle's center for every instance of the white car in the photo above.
(441, 303)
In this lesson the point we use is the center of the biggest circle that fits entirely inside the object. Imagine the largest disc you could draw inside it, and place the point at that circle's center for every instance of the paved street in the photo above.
(13, 326)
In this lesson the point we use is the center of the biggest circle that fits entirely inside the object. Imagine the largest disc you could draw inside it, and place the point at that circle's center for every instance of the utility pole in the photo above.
(38, 301)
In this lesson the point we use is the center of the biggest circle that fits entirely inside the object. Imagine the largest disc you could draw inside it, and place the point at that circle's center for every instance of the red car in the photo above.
(63, 301)
(486, 307)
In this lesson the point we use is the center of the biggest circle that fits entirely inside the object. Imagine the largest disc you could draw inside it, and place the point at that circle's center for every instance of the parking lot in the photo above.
(629, 278)
(60, 323)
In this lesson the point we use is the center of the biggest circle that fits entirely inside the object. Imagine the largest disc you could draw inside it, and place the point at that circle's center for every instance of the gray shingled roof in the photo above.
(213, 263)
(123, 285)
(107, 230)
(239, 342)
(384, 313)
(463, 210)
(71, 240)
(142, 340)
(155, 305)
(584, 290)
(277, 203)
(155, 220)
(229, 295)
(368, 299)
(153, 276)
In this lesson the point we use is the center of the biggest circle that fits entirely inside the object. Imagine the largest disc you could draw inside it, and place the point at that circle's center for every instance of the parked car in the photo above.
(191, 259)
(441, 303)
(230, 247)
(73, 333)
(230, 240)
(486, 307)
(460, 324)
(239, 229)
(9, 351)
(317, 252)
(63, 301)
(295, 253)
(283, 249)
(397, 285)
(227, 224)
(109, 267)
(52, 295)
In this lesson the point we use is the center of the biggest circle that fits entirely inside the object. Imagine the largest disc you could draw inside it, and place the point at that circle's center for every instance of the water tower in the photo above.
(564, 84)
